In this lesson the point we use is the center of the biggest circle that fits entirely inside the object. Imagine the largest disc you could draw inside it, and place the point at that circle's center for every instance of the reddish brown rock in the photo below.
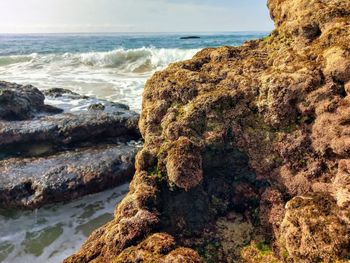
(158, 248)
(313, 230)
(184, 154)
(270, 117)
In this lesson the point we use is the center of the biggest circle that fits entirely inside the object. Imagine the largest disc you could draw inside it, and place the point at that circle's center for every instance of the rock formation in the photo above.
(57, 153)
(35, 181)
(261, 130)
(22, 102)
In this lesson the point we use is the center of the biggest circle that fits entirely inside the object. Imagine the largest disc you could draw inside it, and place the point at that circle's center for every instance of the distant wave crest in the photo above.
(140, 60)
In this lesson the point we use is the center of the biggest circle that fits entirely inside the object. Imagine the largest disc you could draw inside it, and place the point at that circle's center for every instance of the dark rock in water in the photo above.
(75, 124)
(63, 150)
(64, 98)
(18, 102)
(58, 92)
(32, 182)
(97, 106)
(67, 128)
(190, 37)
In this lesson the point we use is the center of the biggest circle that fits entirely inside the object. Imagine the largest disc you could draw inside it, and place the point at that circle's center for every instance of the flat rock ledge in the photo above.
(32, 182)
(57, 145)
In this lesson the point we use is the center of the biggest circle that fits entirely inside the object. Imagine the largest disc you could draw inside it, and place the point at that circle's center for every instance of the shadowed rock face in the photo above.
(19, 102)
(261, 129)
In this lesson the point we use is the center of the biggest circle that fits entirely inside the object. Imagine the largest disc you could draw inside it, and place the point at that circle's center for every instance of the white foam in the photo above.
(118, 75)
(71, 217)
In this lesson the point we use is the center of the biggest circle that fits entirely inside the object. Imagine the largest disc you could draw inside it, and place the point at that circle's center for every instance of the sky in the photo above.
(68, 16)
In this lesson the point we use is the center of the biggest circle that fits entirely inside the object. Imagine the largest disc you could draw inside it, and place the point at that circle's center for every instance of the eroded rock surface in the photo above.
(19, 102)
(315, 228)
(32, 182)
(262, 130)
(78, 121)
(60, 155)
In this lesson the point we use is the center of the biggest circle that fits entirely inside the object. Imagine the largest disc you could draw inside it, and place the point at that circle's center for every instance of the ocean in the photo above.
(108, 66)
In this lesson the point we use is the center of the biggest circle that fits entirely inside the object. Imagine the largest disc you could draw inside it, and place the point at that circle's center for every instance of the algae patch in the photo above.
(37, 241)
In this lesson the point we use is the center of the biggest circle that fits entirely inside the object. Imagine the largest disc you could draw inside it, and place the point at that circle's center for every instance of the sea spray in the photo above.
(107, 66)
(122, 60)
(118, 75)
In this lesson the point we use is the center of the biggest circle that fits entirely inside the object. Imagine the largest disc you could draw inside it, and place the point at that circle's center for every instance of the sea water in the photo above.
(108, 66)
(54, 232)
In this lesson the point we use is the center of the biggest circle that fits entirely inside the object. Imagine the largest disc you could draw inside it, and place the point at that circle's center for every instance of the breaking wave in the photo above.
(117, 75)
(140, 60)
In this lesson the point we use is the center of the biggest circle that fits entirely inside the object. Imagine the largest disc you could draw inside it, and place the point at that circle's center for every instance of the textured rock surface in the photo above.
(69, 128)
(74, 124)
(314, 229)
(261, 129)
(32, 182)
(58, 157)
(19, 102)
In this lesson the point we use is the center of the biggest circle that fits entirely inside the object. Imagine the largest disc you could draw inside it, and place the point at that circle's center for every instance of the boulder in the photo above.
(314, 229)
(18, 102)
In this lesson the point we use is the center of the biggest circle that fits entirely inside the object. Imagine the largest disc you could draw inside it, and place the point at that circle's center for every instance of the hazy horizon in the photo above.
(139, 33)
(133, 16)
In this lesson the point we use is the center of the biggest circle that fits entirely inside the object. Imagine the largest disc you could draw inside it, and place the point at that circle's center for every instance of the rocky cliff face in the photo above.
(247, 151)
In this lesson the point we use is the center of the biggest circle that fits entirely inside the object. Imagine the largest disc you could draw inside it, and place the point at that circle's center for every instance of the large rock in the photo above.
(33, 182)
(249, 129)
(78, 149)
(78, 121)
(69, 128)
(19, 102)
